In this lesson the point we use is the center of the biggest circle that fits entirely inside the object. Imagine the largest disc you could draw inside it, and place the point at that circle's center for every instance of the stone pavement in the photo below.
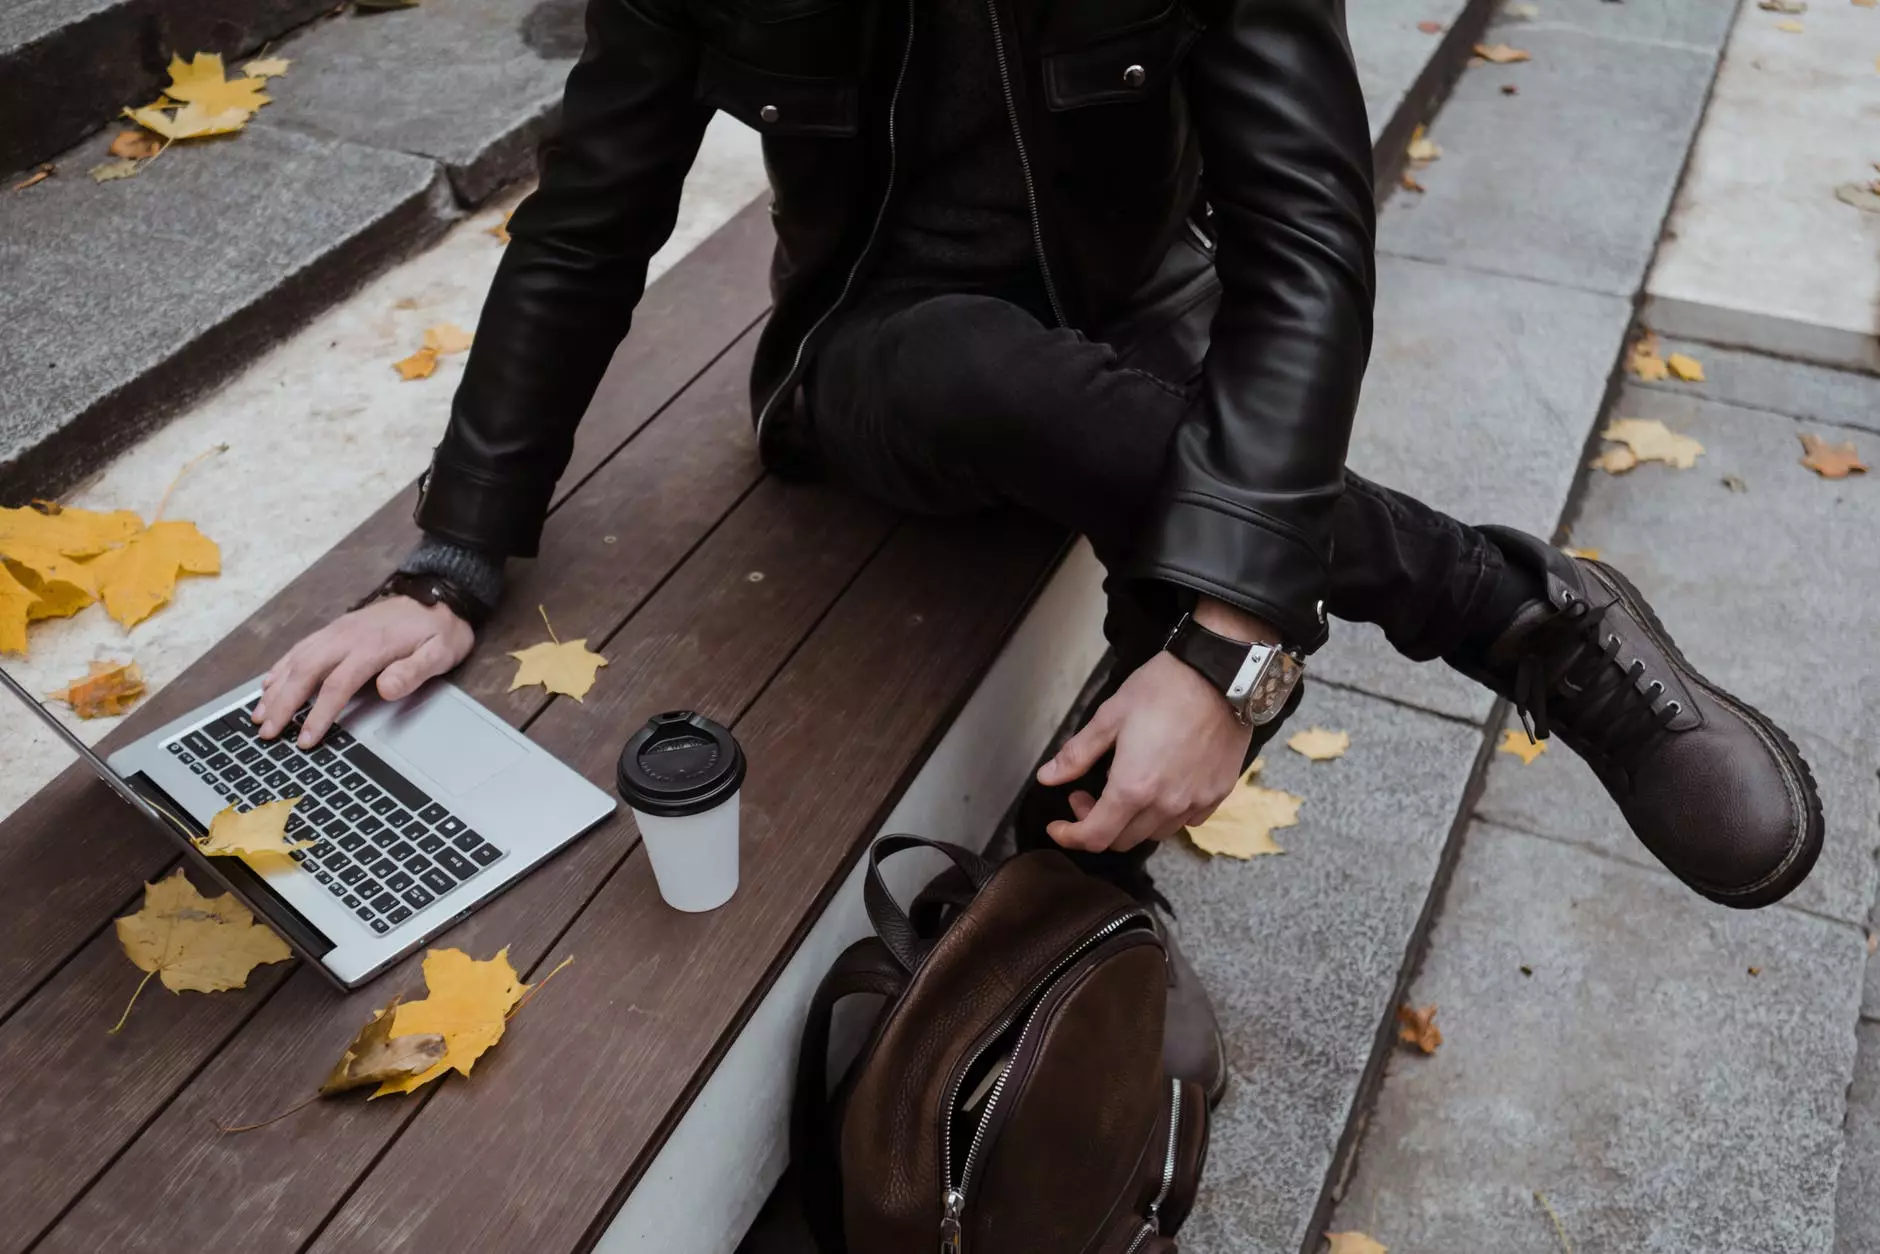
(1667, 1074)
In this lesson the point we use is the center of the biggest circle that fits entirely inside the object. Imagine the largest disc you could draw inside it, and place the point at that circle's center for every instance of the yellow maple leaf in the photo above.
(16, 603)
(107, 691)
(446, 338)
(269, 67)
(420, 365)
(63, 531)
(1516, 741)
(134, 146)
(1501, 54)
(1320, 744)
(1422, 149)
(565, 667)
(1686, 367)
(1831, 461)
(1418, 1028)
(501, 229)
(203, 944)
(257, 836)
(1353, 1243)
(1591, 555)
(1651, 441)
(192, 121)
(138, 579)
(468, 1004)
(1243, 825)
(375, 1057)
(203, 82)
(58, 598)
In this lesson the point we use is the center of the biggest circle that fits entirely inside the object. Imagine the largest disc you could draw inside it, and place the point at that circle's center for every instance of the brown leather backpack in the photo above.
(1010, 1099)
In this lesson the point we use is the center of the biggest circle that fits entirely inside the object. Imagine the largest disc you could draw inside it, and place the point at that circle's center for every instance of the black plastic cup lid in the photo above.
(680, 763)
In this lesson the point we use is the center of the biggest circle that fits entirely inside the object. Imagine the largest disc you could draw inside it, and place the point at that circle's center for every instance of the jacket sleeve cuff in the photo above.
(475, 511)
(1258, 564)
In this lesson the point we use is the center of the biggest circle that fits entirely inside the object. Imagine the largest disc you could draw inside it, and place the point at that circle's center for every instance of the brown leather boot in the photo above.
(1713, 788)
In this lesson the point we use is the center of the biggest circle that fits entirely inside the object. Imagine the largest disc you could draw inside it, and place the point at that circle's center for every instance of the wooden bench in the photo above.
(881, 672)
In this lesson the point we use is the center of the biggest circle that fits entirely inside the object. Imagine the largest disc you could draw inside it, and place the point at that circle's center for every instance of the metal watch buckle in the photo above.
(1265, 679)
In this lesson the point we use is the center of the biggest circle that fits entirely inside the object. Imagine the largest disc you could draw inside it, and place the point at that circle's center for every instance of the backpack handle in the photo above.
(890, 921)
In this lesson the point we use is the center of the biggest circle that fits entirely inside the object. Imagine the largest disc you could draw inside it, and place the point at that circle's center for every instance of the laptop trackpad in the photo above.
(450, 744)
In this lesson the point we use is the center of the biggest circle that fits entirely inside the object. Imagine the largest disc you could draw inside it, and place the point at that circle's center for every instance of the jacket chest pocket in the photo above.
(1135, 63)
(779, 104)
(784, 67)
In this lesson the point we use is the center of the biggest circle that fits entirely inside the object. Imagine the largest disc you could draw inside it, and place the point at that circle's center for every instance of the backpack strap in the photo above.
(892, 925)
(864, 967)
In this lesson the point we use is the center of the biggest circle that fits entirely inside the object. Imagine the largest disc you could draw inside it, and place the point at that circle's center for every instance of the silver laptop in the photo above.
(422, 810)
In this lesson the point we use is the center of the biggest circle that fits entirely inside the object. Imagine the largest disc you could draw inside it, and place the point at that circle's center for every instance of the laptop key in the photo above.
(353, 813)
(433, 812)
(339, 738)
(467, 841)
(176, 747)
(384, 806)
(370, 889)
(371, 825)
(401, 852)
(324, 755)
(430, 842)
(485, 853)
(352, 874)
(198, 768)
(324, 788)
(199, 744)
(219, 761)
(399, 915)
(363, 759)
(384, 902)
(325, 877)
(370, 793)
(418, 864)
(450, 825)
(349, 901)
(438, 881)
(220, 730)
(237, 723)
(455, 863)
(418, 897)
(299, 855)
(380, 926)
(400, 881)
(247, 755)
(384, 867)
(351, 842)
(337, 889)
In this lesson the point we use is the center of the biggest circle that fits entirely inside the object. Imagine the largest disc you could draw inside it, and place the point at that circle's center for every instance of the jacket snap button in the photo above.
(768, 113)
(1135, 76)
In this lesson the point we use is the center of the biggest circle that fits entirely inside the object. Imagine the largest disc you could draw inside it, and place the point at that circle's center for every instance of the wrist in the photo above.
(1233, 622)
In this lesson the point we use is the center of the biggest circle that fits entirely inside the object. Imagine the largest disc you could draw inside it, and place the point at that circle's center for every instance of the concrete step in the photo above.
(1762, 252)
(66, 67)
(134, 297)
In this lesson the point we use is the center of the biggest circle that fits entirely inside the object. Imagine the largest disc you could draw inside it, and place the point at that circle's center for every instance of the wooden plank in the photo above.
(72, 856)
(710, 637)
(539, 1151)
(686, 472)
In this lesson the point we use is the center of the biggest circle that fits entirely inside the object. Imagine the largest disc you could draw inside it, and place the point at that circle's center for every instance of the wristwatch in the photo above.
(430, 590)
(1256, 679)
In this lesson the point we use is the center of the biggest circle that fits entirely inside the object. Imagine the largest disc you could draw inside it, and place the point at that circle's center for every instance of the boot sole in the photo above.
(1802, 856)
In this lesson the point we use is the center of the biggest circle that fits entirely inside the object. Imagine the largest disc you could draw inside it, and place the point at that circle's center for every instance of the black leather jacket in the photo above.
(1127, 113)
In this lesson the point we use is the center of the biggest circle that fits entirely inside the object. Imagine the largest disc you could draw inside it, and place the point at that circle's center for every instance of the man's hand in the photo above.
(1178, 747)
(397, 639)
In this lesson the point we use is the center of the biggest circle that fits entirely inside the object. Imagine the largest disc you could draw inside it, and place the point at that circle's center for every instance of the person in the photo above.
(1111, 262)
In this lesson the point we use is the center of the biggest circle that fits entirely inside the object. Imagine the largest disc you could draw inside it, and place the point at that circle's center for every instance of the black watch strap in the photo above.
(431, 590)
(1217, 657)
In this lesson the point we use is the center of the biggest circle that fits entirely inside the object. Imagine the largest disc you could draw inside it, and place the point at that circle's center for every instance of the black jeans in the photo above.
(947, 403)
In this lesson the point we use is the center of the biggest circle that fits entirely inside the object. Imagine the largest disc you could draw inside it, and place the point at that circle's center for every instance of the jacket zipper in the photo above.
(1152, 1225)
(868, 246)
(1024, 163)
(953, 1200)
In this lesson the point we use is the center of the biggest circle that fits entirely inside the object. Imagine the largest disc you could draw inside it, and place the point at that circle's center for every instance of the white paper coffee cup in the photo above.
(681, 774)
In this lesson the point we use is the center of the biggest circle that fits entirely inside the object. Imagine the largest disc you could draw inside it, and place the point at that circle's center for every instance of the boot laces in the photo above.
(1571, 674)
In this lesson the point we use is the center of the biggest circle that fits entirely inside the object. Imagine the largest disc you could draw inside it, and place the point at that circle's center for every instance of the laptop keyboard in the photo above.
(383, 848)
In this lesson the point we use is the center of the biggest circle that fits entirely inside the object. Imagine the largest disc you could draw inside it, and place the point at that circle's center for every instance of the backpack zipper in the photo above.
(868, 246)
(1152, 1225)
(953, 1200)
(1024, 164)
